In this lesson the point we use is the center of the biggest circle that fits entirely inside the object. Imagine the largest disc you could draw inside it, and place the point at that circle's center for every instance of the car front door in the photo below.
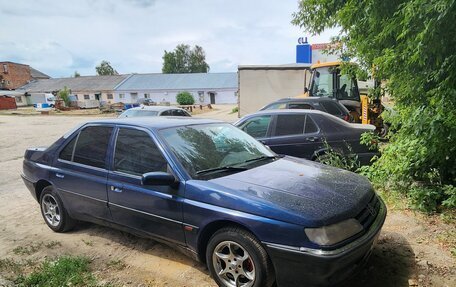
(80, 173)
(295, 135)
(258, 127)
(155, 210)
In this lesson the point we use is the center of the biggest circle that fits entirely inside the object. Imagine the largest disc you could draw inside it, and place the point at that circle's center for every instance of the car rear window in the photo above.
(276, 106)
(67, 152)
(289, 125)
(311, 127)
(300, 106)
(332, 108)
(92, 145)
(180, 113)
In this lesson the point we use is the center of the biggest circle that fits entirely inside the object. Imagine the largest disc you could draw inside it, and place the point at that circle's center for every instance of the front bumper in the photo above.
(295, 266)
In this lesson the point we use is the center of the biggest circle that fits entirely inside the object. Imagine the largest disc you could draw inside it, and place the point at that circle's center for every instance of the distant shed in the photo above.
(7, 103)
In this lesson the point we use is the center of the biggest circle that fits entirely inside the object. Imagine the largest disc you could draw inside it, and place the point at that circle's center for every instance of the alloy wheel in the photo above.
(51, 210)
(233, 264)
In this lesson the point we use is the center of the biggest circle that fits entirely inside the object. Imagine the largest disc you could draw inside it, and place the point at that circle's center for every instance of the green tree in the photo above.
(76, 74)
(105, 69)
(64, 94)
(185, 60)
(185, 98)
(411, 45)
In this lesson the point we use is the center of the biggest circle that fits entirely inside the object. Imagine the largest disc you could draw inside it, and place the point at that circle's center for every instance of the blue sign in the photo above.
(303, 51)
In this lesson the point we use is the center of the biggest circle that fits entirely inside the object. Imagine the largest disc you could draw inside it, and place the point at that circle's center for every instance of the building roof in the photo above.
(78, 84)
(192, 81)
(10, 93)
(37, 74)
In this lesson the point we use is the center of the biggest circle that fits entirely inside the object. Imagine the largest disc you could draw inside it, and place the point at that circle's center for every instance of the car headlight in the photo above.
(334, 233)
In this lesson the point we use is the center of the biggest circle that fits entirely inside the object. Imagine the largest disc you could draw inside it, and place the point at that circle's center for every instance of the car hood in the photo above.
(297, 191)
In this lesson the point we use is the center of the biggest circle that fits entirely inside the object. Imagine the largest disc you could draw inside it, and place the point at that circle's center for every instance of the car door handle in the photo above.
(116, 189)
(59, 175)
(312, 139)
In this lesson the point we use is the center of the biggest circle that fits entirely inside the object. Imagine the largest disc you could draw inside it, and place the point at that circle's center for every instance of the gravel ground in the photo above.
(410, 251)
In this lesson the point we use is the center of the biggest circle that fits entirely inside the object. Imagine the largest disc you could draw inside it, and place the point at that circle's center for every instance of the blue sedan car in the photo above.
(215, 193)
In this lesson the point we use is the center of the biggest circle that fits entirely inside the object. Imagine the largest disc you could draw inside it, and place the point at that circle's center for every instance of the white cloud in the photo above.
(59, 37)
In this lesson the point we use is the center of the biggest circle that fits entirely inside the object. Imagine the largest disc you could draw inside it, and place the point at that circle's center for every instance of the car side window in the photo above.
(257, 127)
(136, 153)
(92, 145)
(300, 106)
(180, 113)
(67, 151)
(310, 126)
(276, 106)
(167, 113)
(289, 125)
(332, 108)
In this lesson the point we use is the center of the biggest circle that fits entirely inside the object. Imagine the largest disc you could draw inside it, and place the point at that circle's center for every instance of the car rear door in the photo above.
(295, 135)
(80, 172)
(155, 210)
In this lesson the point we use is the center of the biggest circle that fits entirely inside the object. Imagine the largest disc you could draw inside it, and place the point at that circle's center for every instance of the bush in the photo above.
(185, 98)
(235, 110)
(64, 94)
(337, 159)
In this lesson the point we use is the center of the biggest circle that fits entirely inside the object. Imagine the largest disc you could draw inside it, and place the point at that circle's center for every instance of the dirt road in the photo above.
(409, 249)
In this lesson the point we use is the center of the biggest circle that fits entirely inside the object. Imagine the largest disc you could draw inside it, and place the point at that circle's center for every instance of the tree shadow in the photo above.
(392, 263)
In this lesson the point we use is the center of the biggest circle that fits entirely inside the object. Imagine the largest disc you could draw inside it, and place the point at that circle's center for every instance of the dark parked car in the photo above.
(214, 192)
(328, 105)
(151, 111)
(307, 133)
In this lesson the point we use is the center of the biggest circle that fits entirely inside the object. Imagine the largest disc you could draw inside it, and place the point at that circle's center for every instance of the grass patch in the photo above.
(8, 264)
(116, 264)
(234, 110)
(52, 244)
(28, 249)
(65, 271)
(87, 242)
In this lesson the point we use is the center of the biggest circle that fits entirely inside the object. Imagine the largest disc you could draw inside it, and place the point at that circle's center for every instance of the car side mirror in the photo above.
(158, 178)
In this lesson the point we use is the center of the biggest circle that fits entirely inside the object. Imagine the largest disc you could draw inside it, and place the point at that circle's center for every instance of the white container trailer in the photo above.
(260, 85)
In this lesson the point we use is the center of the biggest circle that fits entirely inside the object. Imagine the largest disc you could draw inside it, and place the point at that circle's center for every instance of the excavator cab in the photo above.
(327, 81)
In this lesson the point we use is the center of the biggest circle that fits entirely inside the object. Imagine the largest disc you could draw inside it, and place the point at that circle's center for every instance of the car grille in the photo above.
(369, 213)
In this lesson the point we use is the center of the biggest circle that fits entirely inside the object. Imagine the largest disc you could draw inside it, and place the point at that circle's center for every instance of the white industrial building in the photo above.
(206, 88)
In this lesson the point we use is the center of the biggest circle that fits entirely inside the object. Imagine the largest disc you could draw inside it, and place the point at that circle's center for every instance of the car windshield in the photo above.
(138, 113)
(215, 149)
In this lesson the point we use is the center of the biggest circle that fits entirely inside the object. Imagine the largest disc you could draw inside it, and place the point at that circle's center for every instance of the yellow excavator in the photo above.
(327, 81)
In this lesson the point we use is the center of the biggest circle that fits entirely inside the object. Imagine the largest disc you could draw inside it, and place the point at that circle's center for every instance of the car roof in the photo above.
(289, 111)
(156, 122)
(309, 99)
(155, 108)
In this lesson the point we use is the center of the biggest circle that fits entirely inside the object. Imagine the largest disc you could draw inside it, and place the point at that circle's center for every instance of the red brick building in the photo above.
(14, 75)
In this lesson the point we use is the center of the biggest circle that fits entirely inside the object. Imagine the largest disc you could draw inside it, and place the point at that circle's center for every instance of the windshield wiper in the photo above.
(259, 158)
(222, 168)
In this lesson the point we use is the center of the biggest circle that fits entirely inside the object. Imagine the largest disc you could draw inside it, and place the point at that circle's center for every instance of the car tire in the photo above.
(241, 256)
(54, 212)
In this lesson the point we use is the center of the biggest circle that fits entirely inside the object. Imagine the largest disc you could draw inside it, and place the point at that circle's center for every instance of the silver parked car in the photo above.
(152, 111)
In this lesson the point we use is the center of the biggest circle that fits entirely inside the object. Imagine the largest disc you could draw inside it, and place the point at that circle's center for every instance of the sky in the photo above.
(59, 37)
